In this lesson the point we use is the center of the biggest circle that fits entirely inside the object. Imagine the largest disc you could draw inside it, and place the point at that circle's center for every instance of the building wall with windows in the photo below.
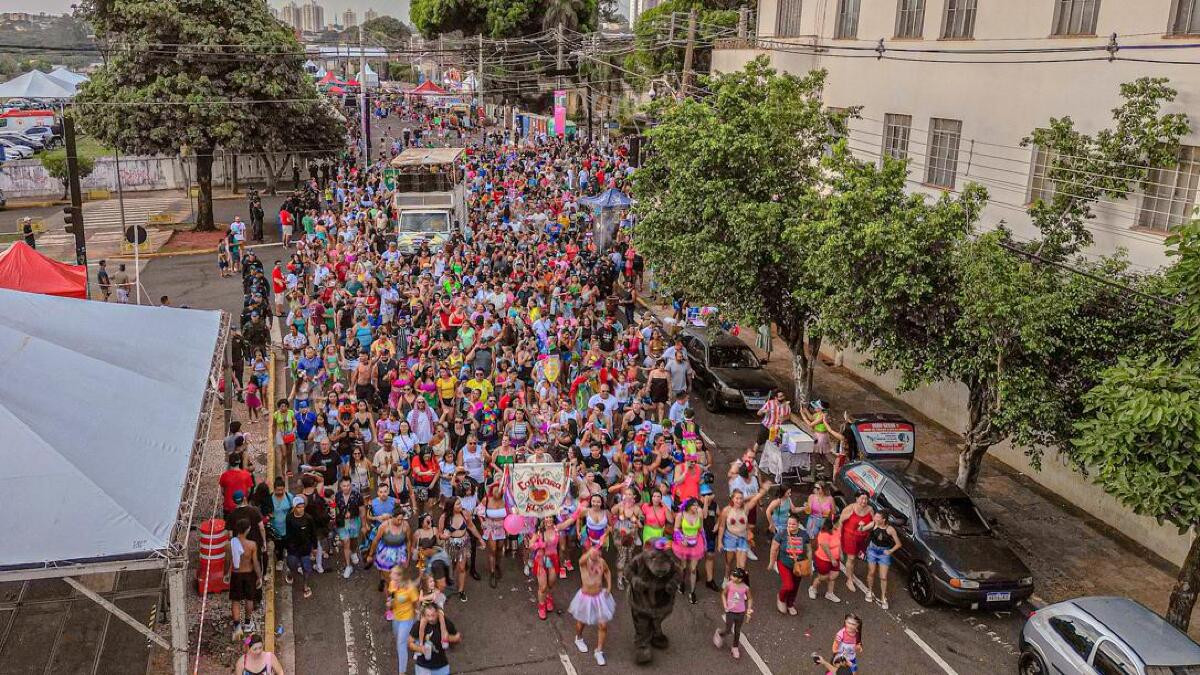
(959, 114)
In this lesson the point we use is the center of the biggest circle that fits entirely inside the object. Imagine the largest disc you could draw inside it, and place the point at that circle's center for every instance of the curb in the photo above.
(269, 590)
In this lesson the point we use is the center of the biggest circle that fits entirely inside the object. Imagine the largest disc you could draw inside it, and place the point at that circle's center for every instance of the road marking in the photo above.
(351, 662)
(758, 660)
(566, 663)
(929, 652)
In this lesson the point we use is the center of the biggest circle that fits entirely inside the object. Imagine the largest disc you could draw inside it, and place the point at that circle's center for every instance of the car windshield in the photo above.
(424, 222)
(731, 357)
(1173, 670)
(955, 516)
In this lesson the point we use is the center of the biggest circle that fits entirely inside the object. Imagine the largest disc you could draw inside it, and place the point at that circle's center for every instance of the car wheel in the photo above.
(712, 400)
(920, 586)
(1030, 664)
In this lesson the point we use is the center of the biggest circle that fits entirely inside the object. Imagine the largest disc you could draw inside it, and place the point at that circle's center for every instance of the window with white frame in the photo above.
(787, 22)
(958, 23)
(941, 165)
(1185, 17)
(1075, 17)
(896, 130)
(1040, 185)
(847, 19)
(1171, 193)
(910, 18)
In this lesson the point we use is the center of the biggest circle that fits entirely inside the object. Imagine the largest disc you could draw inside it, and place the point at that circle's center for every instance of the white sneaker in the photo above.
(831, 597)
(600, 658)
(354, 558)
(812, 592)
(581, 645)
(319, 568)
(883, 603)
(347, 572)
(750, 555)
(869, 598)
(278, 565)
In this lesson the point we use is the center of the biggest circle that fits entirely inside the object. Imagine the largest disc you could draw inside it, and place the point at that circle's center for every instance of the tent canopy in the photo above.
(63, 75)
(24, 269)
(99, 410)
(612, 198)
(36, 84)
(427, 88)
(329, 78)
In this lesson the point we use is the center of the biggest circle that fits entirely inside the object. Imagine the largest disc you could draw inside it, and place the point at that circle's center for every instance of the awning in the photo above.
(24, 269)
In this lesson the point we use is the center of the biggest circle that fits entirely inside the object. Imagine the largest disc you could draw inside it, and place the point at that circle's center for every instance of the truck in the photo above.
(429, 196)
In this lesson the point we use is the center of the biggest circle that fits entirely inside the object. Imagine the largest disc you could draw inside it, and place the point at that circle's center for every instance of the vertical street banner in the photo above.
(560, 112)
(537, 489)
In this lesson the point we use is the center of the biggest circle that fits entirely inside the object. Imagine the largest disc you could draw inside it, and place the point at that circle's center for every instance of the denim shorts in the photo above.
(734, 543)
(297, 564)
(878, 555)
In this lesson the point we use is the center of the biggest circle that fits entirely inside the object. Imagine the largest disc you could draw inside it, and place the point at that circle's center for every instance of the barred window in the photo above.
(1171, 193)
(959, 20)
(1185, 17)
(910, 18)
(896, 130)
(1040, 185)
(847, 19)
(787, 22)
(1075, 17)
(942, 164)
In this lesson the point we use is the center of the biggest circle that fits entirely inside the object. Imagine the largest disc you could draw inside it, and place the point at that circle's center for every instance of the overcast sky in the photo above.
(392, 7)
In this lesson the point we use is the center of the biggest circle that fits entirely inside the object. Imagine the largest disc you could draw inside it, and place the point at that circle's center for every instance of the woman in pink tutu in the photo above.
(688, 543)
(593, 604)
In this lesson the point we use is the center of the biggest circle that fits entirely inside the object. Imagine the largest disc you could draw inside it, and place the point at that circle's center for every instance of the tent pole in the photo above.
(119, 613)
(177, 589)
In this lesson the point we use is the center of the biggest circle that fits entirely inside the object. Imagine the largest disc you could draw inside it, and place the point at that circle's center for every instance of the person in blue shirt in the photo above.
(306, 419)
(311, 363)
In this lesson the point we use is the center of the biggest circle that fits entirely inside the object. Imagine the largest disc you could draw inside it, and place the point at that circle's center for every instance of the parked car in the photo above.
(13, 150)
(1106, 635)
(728, 374)
(46, 134)
(950, 551)
(22, 138)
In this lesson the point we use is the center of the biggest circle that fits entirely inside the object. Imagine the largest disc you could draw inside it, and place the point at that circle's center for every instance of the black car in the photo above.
(951, 553)
(728, 374)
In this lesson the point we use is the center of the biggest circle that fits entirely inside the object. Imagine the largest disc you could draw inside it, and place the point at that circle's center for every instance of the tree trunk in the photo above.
(981, 433)
(803, 359)
(271, 183)
(1183, 596)
(234, 174)
(204, 210)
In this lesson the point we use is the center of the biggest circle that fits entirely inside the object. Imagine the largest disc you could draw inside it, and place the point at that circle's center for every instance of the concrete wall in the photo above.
(997, 103)
(27, 178)
(946, 403)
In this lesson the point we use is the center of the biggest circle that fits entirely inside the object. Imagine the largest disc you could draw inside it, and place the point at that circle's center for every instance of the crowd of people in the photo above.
(414, 379)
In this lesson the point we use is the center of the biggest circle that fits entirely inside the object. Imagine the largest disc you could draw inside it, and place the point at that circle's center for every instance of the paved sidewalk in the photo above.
(1070, 552)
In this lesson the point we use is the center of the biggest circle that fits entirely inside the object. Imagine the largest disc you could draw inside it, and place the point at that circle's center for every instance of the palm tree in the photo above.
(563, 13)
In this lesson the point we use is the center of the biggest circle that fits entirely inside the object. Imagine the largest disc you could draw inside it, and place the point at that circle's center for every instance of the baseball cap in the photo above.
(238, 495)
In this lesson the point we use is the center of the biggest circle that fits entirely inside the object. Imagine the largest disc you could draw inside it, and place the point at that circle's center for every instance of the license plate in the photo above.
(1004, 596)
(755, 401)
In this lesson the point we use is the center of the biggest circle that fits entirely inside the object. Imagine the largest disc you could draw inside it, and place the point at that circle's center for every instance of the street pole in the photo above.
(137, 272)
(362, 99)
(743, 13)
(688, 53)
(76, 193)
(479, 75)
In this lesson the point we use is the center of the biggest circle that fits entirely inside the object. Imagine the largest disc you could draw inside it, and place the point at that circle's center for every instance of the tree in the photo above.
(726, 177)
(55, 163)
(659, 51)
(1139, 441)
(387, 27)
(1084, 168)
(563, 13)
(499, 19)
(195, 76)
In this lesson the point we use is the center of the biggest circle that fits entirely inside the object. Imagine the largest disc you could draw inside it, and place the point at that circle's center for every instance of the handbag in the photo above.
(802, 568)
(289, 437)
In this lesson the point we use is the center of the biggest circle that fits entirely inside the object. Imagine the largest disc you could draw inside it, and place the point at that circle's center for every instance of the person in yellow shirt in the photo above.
(447, 386)
(481, 384)
(381, 343)
(402, 608)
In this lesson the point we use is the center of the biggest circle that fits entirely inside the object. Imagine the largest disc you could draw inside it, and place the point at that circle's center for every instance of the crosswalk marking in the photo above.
(107, 214)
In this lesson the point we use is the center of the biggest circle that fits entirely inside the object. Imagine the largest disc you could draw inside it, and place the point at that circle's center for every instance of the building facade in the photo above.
(349, 18)
(290, 15)
(312, 17)
(370, 15)
(954, 86)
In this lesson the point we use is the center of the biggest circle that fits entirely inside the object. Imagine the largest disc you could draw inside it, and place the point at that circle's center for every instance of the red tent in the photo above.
(428, 88)
(336, 90)
(329, 78)
(351, 83)
(24, 269)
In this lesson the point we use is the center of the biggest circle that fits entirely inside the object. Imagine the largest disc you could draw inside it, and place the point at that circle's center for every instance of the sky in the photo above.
(392, 7)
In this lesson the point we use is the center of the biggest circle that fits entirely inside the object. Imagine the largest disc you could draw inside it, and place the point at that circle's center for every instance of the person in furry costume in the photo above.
(653, 584)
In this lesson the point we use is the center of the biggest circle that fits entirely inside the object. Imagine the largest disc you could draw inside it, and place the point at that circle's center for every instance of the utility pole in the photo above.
(688, 54)
(73, 214)
(479, 75)
(743, 13)
(362, 100)
(558, 54)
(588, 84)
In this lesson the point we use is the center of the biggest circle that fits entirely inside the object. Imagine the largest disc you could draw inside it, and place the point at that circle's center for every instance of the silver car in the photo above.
(1105, 635)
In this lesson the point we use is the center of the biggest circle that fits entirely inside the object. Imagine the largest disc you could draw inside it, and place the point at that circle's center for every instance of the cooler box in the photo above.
(794, 440)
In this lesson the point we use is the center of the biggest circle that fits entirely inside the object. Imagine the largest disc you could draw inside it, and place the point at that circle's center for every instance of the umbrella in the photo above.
(36, 85)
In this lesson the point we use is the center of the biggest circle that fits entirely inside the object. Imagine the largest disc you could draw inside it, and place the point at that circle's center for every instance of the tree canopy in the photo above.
(200, 76)
(500, 19)
(659, 50)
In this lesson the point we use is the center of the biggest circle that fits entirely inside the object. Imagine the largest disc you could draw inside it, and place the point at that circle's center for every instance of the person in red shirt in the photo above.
(233, 480)
(286, 223)
(278, 288)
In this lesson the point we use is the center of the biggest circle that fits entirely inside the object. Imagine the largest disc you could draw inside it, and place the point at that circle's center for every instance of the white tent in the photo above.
(37, 85)
(63, 75)
(103, 409)
(369, 78)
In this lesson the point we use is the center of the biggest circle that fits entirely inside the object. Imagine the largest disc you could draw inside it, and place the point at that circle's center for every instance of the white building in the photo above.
(959, 102)
(349, 19)
(290, 15)
(312, 17)
(370, 15)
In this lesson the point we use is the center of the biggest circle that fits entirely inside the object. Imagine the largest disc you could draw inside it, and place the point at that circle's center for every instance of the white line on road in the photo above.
(566, 663)
(929, 651)
(758, 660)
(351, 662)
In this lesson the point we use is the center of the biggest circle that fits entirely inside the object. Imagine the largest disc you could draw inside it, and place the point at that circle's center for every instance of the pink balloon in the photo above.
(514, 524)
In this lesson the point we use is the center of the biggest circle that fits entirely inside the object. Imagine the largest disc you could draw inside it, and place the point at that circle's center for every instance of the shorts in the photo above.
(824, 567)
(878, 555)
(854, 545)
(710, 542)
(296, 563)
(244, 586)
(732, 543)
(350, 529)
